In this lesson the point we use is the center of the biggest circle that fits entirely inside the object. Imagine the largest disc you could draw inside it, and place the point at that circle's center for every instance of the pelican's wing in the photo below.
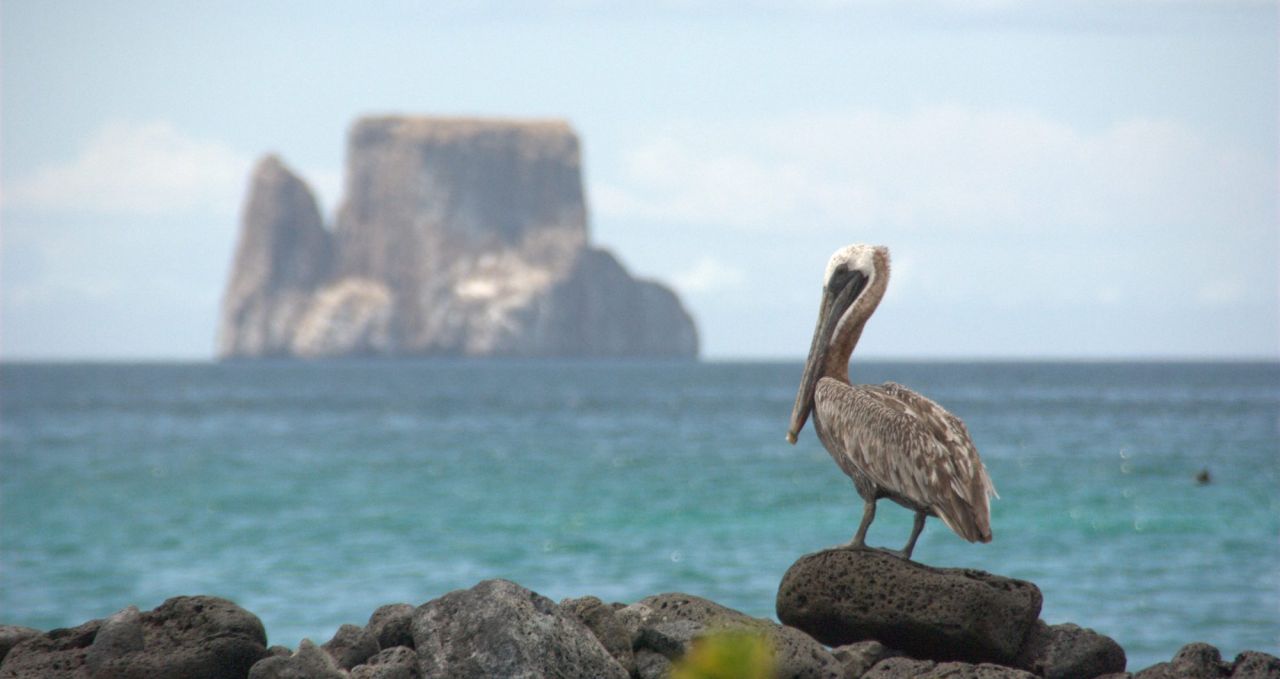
(912, 447)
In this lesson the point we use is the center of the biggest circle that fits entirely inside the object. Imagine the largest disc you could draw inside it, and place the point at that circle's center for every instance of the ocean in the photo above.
(312, 493)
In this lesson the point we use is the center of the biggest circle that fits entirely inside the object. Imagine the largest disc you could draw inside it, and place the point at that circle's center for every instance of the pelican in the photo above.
(890, 440)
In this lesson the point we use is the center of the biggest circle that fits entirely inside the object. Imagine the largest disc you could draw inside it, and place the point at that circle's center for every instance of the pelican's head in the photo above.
(849, 271)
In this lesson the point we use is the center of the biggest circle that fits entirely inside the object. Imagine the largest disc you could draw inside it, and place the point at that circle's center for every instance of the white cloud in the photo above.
(938, 167)
(148, 168)
(708, 274)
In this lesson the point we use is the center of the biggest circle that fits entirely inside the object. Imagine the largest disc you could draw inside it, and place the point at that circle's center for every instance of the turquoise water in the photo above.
(313, 493)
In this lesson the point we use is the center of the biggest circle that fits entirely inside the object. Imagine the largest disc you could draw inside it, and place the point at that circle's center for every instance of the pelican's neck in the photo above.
(849, 330)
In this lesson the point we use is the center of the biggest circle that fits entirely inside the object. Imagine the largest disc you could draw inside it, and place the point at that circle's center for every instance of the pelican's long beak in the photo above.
(834, 304)
(812, 366)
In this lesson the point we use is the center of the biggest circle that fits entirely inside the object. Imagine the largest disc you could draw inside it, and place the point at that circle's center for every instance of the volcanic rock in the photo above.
(500, 629)
(861, 656)
(12, 635)
(56, 654)
(1203, 661)
(459, 237)
(675, 620)
(603, 621)
(308, 662)
(351, 646)
(1255, 665)
(120, 635)
(1070, 652)
(910, 668)
(197, 637)
(651, 665)
(392, 625)
(840, 596)
(398, 662)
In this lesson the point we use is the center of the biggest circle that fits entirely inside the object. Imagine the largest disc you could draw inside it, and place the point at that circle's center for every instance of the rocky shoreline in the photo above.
(844, 613)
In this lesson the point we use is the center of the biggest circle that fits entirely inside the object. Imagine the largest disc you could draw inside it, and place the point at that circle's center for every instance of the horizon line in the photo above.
(878, 358)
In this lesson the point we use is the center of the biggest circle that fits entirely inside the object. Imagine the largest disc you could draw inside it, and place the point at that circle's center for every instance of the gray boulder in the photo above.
(197, 637)
(667, 623)
(671, 638)
(308, 662)
(840, 596)
(603, 621)
(400, 662)
(12, 635)
(1255, 665)
(1203, 661)
(351, 646)
(500, 629)
(910, 668)
(392, 625)
(651, 665)
(56, 654)
(120, 635)
(859, 657)
(1193, 661)
(1070, 652)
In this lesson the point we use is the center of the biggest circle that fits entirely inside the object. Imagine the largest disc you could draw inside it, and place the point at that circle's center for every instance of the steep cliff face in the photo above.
(456, 237)
(284, 253)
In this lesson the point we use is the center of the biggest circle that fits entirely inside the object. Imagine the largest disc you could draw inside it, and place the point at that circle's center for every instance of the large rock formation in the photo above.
(457, 237)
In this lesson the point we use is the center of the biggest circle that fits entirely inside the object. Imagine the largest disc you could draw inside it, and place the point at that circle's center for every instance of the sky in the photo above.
(1067, 179)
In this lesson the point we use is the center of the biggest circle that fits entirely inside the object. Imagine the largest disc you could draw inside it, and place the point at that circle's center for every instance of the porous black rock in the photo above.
(911, 668)
(198, 637)
(1070, 652)
(392, 625)
(500, 629)
(308, 662)
(665, 620)
(351, 646)
(399, 662)
(840, 596)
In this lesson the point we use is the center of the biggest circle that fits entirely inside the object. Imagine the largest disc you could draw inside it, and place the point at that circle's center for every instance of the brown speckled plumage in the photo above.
(890, 440)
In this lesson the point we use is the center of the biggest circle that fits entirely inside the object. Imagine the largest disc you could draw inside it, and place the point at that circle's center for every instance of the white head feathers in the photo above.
(856, 257)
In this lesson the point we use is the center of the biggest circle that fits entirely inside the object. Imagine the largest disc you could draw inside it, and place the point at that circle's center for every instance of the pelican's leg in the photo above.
(915, 533)
(859, 540)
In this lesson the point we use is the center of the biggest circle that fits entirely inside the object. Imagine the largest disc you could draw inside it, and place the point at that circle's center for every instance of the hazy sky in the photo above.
(1060, 179)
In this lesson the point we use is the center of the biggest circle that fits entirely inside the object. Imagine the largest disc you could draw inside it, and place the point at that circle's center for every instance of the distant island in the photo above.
(455, 237)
